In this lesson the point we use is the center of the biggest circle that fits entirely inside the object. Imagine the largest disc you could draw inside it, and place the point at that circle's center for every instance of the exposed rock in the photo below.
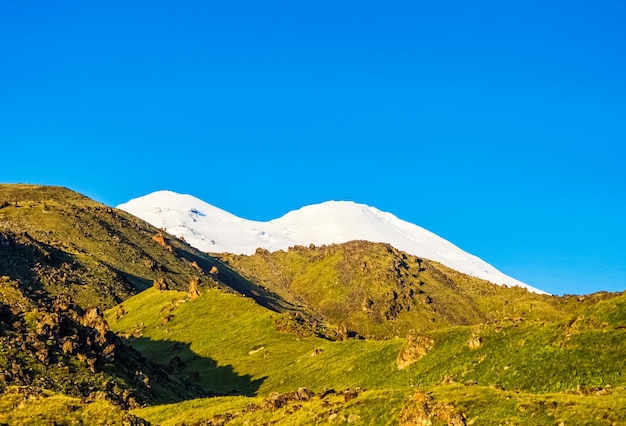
(367, 304)
(305, 394)
(91, 362)
(316, 351)
(159, 239)
(475, 342)
(421, 409)
(94, 320)
(416, 347)
(48, 324)
(197, 267)
(349, 394)
(277, 400)
(119, 312)
(159, 284)
(193, 292)
(326, 391)
(69, 345)
(151, 264)
(591, 390)
(256, 349)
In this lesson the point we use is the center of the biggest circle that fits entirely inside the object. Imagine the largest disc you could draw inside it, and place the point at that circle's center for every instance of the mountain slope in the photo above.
(71, 246)
(65, 244)
(214, 230)
(517, 370)
(63, 259)
(378, 291)
(492, 354)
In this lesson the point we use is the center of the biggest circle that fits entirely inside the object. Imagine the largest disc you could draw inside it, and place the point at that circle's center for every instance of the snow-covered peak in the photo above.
(162, 205)
(211, 229)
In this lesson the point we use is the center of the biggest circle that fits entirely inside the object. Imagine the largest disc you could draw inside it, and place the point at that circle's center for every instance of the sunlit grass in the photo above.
(48, 408)
(235, 346)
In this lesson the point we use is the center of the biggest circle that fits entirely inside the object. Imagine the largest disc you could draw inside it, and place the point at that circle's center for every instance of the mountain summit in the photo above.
(211, 229)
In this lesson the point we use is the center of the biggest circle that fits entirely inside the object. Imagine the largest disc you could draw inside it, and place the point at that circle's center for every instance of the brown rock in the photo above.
(119, 312)
(193, 292)
(421, 409)
(305, 394)
(159, 284)
(416, 347)
(475, 342)
(316, 351)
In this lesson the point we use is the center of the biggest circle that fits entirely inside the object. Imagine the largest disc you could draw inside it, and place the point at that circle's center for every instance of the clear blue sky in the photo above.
(499, 125)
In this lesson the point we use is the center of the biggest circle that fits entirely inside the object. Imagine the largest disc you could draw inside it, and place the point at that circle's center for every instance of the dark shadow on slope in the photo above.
(20, 254)
(260, 295)
(182, 363)
(133, 283)
(231, 279)
(39, 266)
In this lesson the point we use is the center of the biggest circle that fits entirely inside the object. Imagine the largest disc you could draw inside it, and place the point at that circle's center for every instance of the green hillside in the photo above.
(378, 291)
(68, 245)
(64, 259)
(515, 369)
(105, 319)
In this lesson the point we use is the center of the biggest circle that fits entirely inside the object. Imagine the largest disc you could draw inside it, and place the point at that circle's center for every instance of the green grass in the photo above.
(479, 405)
(76, 248)
(18, 407)
(542, 359)
(234, 345)
(527, 357)
(233, 331)
(380, 407)
(489, 406)
(380, 292)
(60, 254)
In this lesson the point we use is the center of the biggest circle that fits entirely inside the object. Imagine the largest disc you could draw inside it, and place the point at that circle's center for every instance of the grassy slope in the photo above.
(75, 247)
(65, 247)
(232, 339)
(45, 408)
(478, 405)
(234, 345)
(379, 291)
(61, 253)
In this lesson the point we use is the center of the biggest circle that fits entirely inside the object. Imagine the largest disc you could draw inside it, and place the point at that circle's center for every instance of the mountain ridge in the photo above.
(215, 230)
(357, 331)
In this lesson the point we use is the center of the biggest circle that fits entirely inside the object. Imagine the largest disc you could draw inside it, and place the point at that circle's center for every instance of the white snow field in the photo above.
(214, 230)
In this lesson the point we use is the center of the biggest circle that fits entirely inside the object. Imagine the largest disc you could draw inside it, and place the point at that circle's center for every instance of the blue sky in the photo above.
(499, 125)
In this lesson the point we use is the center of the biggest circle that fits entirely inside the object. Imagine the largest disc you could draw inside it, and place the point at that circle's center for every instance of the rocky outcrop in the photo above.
(421, 410)
(193, 292)
(416, 347)
(475, 342)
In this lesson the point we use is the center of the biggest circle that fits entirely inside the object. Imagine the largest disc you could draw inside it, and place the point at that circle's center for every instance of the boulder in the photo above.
(416, 347)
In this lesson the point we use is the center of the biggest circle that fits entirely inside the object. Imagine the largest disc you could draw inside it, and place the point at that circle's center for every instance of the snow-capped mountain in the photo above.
(211, 229)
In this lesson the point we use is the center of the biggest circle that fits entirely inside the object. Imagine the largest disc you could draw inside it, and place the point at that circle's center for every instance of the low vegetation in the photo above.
(380, 292)
(107, 320)
(233, 347)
